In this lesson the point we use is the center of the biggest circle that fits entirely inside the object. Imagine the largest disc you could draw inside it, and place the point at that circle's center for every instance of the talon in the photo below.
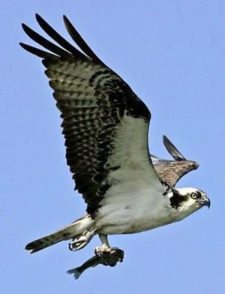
(101, 250)
(82, 240)
(78, 243)
(109, 256)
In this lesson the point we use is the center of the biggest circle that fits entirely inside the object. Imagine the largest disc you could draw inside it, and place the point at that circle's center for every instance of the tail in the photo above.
(68, 232)
(76, 272)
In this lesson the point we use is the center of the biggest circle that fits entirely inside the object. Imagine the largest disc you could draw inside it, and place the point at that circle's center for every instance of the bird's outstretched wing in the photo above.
(105, 124)
(171, 171)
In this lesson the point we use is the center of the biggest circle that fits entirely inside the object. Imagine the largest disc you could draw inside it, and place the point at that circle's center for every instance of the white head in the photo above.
(187, 200)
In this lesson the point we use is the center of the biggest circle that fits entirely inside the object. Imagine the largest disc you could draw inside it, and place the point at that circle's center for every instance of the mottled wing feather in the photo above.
(171, 171)
(94, 102)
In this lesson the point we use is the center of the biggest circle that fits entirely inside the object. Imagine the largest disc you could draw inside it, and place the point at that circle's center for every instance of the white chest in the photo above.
(133, 212)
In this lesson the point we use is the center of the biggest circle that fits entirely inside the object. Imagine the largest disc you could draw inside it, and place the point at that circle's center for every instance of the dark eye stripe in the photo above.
(196, 195)
(199, 195)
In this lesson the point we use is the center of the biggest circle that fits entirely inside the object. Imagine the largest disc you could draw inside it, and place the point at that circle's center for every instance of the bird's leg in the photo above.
(104, 255)
(108, 255)
(81, 241)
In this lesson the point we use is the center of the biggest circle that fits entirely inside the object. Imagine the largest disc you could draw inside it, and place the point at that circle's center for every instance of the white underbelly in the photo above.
(133, 212)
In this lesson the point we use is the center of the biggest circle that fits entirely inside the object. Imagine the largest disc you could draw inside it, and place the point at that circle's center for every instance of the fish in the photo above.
(95, 260)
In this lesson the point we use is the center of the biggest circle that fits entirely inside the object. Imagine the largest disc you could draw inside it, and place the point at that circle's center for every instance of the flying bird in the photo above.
(105, 126)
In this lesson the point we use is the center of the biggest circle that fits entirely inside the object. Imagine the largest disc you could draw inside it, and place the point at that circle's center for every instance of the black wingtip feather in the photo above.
(172, 149)
(44, 42)
(38, 17)
(36, 51)
(80, 41)
(58, 38)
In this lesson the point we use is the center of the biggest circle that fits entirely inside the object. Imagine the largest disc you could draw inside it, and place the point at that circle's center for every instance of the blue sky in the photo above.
(172, 55)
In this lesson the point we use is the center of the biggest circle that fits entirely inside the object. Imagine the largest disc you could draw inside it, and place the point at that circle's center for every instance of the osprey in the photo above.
(105, 126)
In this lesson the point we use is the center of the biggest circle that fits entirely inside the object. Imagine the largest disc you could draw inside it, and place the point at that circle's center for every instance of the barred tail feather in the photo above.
(66, 233)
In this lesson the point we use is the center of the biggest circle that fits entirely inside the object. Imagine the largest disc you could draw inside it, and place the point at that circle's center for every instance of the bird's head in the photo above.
(187, 200)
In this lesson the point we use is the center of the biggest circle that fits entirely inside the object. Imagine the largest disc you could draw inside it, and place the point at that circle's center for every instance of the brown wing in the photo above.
(171, 171)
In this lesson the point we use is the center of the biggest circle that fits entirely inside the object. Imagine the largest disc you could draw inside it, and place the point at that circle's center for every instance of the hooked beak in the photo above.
(206, 201)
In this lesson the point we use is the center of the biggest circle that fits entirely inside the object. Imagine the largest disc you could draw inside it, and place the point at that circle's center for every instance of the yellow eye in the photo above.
(194, 195)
